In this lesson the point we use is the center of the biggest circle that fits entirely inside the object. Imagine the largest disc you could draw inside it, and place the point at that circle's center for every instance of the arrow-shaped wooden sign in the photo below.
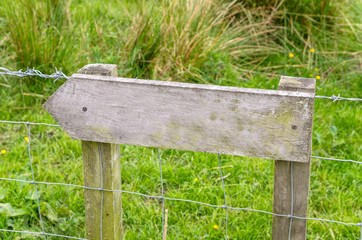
(228, 120)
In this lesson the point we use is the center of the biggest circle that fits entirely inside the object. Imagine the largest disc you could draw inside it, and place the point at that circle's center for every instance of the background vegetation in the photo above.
(236, 43)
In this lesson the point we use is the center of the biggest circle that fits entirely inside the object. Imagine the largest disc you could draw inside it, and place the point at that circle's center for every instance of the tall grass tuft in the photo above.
(40, 32)
(186, 40)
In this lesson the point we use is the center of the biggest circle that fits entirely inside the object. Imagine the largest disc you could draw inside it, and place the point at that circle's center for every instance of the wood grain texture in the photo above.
(228, 120)
(301, 180)
(111, 171)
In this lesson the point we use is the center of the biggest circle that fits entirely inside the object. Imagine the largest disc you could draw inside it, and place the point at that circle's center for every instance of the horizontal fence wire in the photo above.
(59, 74)
(41, 233)
(30, 123)
(335, 159)
(161, 197)
(183, 200)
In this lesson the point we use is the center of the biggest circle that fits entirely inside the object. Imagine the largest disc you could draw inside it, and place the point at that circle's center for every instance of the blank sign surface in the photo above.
(228, 120)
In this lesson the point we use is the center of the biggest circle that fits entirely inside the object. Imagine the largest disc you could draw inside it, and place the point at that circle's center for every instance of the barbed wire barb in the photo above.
(339, 98)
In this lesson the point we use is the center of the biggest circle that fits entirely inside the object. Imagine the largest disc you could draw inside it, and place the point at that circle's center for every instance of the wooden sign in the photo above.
(227, 120)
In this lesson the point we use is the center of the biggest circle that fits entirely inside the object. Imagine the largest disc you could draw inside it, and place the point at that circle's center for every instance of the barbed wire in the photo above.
(60, 74)
(338, 98)
(33, 72)
(162, 197)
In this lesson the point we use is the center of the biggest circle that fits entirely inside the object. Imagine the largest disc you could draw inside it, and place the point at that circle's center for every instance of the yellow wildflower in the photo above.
(216, 226)
(291, 55)
(26, 139)
(310, 75)
(196, 179)
(3, 151)
(312, 50)
(317, 69)
(318, 77)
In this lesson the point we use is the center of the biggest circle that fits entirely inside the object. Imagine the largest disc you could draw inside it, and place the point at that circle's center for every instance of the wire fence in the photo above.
(161, 197)
(58, 75)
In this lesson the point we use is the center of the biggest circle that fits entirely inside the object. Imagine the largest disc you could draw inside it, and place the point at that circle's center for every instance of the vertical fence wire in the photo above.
(163, 200)
(361, 230)
(101, 168)
(225, 206)
(34, 182)
(291, 200)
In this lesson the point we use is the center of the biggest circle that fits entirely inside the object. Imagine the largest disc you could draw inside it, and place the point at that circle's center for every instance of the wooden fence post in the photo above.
(301, 178)
(111, 166)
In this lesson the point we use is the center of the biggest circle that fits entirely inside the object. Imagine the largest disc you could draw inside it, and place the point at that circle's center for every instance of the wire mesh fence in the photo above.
(161, 197)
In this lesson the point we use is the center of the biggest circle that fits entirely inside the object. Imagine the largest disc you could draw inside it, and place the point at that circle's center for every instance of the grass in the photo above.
(216, 42)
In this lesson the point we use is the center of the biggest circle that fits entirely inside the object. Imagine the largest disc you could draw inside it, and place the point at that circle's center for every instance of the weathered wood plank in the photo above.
(301, 179)
(229, 120)
(111, 166)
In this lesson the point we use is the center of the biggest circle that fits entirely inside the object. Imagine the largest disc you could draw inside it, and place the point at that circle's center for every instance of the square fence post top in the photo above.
(99, 69)
(297, 84)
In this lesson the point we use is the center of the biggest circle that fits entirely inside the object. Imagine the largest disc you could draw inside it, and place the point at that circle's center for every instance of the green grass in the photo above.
(149, 40)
